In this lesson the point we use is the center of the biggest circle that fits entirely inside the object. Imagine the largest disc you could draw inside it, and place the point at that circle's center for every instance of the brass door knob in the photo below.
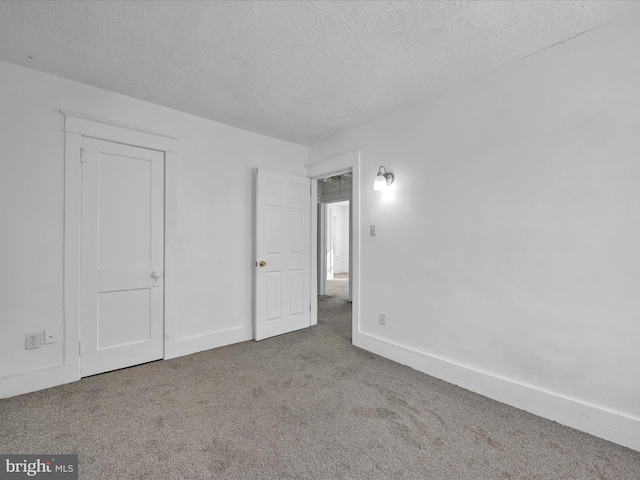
(262, 263)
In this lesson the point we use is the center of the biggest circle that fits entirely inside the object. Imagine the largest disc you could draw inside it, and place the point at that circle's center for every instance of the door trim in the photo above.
(77, 126)
(316, 171)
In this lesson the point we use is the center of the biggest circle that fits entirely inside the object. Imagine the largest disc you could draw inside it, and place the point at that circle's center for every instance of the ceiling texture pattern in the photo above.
(301, 71)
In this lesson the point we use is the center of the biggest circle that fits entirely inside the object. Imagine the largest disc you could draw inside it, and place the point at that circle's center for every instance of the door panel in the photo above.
(122, 247)
(123, 186)
(123, 318)
(296, 295)
(283, 243)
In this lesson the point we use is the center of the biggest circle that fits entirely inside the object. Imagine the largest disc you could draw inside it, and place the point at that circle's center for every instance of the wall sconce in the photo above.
(383, 180)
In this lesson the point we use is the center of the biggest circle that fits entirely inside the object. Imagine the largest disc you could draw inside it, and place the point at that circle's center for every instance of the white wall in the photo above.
(507, 256)
(214, 209)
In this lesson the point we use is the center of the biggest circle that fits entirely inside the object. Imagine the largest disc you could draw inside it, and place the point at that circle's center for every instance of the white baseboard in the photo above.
(39, 379)
(207, 341)
(59, 374)
(596, 420)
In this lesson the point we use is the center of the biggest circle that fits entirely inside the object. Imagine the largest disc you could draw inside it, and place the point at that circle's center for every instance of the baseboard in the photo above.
(198, 343)
(596, 420)
(31, 381)
(54, 375)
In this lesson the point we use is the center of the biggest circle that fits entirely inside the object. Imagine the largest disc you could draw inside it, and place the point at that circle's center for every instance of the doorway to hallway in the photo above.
(348, 165)
(335, 254)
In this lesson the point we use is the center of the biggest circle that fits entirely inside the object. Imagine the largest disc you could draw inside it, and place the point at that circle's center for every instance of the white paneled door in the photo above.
(122, 256)
(283, 253)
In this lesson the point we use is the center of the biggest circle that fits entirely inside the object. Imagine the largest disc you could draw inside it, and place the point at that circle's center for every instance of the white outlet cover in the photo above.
(50, 335)
(33, 340)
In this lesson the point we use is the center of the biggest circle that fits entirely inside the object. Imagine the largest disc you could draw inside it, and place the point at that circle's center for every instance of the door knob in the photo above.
(156, 274)
(262, 263)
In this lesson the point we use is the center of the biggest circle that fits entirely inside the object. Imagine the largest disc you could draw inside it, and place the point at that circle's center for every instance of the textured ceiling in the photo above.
(301, 71)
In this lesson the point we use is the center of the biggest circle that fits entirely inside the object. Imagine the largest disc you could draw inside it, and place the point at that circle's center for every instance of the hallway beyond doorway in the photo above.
(334, 308)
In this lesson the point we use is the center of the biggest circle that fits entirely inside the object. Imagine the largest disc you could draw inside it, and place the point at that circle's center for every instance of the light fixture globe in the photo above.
(380, 183)
(383, 180)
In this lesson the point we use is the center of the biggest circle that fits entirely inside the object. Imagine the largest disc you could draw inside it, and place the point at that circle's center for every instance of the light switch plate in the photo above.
(50, 335)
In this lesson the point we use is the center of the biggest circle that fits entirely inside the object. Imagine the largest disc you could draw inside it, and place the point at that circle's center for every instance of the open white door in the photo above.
(283, 253)
(122, 256)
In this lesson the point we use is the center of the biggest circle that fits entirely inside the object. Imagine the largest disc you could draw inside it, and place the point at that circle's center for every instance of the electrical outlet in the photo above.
(383, 318)
(33, 340)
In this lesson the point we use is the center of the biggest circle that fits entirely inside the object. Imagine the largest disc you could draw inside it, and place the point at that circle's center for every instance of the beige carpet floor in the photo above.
(307, 405)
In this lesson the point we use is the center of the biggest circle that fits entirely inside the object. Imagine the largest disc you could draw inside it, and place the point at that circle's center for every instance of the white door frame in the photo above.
(76, 127)
(322, 261)
(323, 169)
(323, 220)
(322, 247)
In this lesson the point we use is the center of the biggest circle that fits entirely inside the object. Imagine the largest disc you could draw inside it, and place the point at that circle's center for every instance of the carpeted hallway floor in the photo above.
(307, 405)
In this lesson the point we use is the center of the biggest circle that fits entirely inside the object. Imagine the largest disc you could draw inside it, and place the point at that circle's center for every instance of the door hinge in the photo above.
(80, 348)
(81, 154)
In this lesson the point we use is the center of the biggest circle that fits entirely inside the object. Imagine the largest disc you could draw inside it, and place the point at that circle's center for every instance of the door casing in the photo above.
(322, 240)
(323, 169)
(76, 127)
